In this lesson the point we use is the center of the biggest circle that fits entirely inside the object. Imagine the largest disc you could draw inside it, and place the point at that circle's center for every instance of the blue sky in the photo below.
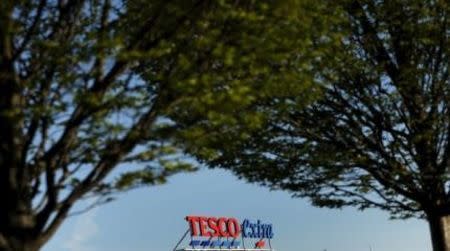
(152, 219)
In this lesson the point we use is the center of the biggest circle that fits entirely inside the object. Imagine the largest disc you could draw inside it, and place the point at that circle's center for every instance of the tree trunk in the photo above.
(17, 234)
(13, 244)
(440, 232)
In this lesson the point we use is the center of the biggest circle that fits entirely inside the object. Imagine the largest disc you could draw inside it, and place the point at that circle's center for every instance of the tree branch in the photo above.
(30, 32)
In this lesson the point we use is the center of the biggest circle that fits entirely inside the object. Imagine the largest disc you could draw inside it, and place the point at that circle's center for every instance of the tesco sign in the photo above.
(213, 227)
(226, 227)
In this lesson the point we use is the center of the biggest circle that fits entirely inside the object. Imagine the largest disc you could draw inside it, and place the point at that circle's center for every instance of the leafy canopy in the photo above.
(380, 134)
(89, 86)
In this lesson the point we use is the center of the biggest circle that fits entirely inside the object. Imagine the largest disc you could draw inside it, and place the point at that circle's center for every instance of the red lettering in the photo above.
(214, 227)
(203, 226)
(212, 223)
(221, 224)
(233, 227)
(192, 220)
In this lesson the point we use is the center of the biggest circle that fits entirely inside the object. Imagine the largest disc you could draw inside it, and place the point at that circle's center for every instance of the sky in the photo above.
(152, 219)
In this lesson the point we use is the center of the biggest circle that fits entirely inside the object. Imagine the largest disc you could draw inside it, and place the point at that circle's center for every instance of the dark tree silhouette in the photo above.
(87, 88)
(379, 136)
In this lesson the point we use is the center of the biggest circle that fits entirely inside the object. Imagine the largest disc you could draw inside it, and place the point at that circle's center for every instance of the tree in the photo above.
(380, 134)
(89, 86)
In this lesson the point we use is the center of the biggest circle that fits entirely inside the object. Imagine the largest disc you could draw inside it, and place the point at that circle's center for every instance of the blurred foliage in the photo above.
(356, 113)
(102, 96)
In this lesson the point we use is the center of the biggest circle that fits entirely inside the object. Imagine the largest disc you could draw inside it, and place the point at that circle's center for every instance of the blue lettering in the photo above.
(194, 243)
(226, 244)
(244, 229)
(263, 231)
(258, 233)
(253, 234)
(256, 230)
(269, 231)
(216, 243)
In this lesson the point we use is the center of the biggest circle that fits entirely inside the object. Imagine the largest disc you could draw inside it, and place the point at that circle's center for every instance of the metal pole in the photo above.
(182, 238)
